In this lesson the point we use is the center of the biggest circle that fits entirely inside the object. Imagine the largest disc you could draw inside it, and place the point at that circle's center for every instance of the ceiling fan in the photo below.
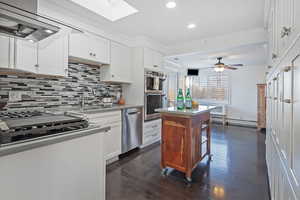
(220, 66)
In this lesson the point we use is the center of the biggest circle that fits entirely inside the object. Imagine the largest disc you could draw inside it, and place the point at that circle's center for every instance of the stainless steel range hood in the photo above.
(19, 18)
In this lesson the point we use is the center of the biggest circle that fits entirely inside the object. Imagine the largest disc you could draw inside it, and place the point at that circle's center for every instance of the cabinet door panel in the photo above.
(79, 46)
(121, 60)
(100, 49)
(112, 142)
(26, 55)
(57, 47)
(5, 51)
(296, 120)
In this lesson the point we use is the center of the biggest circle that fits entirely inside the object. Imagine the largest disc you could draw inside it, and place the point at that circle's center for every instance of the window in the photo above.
(210, 87)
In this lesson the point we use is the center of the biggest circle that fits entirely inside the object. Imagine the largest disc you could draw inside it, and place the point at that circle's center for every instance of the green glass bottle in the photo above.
(180, 100)
(188, 99)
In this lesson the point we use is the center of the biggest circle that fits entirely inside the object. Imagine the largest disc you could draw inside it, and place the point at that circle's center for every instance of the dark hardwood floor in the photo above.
(237, 172)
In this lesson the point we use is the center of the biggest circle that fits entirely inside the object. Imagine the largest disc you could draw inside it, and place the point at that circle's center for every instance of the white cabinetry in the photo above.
(120, 68)
(53, 55)
(88, 47)
(153, 60)
(283, 107)
(48, 56)
(7, 50)
(72, 169)
(152, 132)
(26, 55)
(112, 138)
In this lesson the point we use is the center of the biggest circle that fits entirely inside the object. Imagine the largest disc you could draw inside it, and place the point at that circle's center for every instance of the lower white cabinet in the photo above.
(112, 138)
(72, 169)
(152, 132)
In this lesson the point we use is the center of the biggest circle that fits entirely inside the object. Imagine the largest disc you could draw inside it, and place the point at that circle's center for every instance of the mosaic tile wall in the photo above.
(29, 92)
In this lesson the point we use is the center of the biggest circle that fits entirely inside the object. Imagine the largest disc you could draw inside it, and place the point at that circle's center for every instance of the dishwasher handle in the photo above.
(134, 113)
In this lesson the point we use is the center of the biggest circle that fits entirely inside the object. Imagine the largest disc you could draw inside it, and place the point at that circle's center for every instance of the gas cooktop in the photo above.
(24, 125)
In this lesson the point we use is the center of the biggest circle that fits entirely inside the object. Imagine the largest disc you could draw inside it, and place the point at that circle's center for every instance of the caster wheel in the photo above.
(189, 180)
(164, 172)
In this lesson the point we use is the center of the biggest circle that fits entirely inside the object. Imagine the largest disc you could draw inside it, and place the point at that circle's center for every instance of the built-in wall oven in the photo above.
(154, 93)
(153, 101)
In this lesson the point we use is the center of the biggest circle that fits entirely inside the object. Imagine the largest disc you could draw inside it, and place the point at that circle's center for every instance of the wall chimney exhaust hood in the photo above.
(19, 18)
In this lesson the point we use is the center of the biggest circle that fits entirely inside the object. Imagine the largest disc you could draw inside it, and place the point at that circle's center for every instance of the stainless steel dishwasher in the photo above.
(132, 128)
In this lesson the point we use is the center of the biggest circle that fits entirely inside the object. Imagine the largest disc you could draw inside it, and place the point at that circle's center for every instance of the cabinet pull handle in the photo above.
(285, 31)
(287, 101)
(274, 79)
(287, 69)
(275, 98)
(155, 65)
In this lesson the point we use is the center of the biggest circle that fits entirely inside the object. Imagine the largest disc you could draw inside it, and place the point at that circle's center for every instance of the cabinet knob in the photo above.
(285, 32)
(287, 69)
(91, 54)
(94, 55)
(274, 56)
(112, 75)
(287, 101)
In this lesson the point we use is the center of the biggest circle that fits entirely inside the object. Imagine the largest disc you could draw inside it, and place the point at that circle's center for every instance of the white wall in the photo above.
(243, 105)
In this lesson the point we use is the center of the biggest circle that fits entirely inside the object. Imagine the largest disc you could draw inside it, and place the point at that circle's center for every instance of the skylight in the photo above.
(110, 9)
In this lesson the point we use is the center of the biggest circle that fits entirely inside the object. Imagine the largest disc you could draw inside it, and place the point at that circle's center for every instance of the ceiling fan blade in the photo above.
(237, 65)
(203, 68)
(232, 68)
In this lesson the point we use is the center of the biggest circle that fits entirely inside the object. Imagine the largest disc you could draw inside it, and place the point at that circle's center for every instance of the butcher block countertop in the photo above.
(186, 112)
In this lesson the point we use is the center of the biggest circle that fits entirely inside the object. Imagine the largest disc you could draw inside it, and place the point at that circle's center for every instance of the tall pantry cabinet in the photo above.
(283, 100)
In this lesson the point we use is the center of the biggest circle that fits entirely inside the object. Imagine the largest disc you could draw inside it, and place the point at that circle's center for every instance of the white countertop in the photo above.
(188, 112)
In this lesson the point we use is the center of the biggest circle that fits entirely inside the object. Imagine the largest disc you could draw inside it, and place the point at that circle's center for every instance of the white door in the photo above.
(121, 63)
(100, 48)
(287, 115)
(5, 47)
(53, 54)
(26, 55)
(89, 47)
(112, 141)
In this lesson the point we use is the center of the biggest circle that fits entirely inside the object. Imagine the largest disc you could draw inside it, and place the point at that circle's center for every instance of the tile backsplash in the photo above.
(28, 91)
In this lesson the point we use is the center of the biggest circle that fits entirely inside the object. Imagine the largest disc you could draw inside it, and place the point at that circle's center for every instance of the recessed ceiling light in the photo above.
(171, 4)
(191, 26)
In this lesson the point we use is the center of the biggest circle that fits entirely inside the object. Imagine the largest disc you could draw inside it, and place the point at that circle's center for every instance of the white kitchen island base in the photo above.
(69, 170)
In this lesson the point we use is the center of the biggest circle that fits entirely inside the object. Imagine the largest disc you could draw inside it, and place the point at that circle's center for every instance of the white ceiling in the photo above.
(247, 55)
(213, 18)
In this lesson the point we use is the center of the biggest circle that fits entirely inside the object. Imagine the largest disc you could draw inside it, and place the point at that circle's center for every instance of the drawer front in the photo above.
(151, 125)
(106, 118)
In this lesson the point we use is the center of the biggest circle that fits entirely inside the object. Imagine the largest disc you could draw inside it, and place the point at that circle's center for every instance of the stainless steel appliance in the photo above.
(132, 128)
(154, 95)
(154, 81)
(20, 19)
(21, 126)
(153, 101)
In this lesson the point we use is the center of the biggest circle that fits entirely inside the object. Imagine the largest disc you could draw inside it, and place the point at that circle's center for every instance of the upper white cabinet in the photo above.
(6, 49)
(284, 26)
(89, 48)
(153, 60)
(26, 55)
(57, 47)
(48, 56)
(120, 68)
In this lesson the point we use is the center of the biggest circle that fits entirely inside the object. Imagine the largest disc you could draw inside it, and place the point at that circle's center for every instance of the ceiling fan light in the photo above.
(219, 69)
